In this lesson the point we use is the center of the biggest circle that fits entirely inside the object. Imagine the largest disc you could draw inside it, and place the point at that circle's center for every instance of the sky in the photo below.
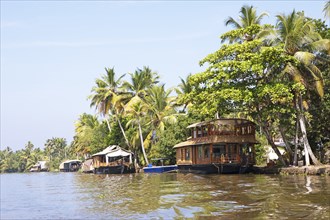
(52, 52)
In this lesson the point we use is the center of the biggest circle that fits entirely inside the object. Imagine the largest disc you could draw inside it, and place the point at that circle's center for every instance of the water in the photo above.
(164, 196)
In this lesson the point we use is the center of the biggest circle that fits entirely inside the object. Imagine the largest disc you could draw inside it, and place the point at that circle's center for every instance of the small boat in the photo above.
(40, 166)
(70, 166)
(218, 146)
(161, 168)
(113, 160)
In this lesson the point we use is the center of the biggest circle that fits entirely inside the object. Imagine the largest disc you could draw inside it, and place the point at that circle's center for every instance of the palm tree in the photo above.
(304, 44)
(160, 111)
(248, 17)
(138, 112)
(108, 98)
(141, 80)
(105, 91)
(184, 88)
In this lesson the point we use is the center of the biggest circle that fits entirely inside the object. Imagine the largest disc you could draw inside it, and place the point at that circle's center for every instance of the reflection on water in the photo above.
(165, 196)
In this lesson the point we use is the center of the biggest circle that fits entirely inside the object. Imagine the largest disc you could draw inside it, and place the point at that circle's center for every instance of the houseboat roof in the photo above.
(216, 139)
(113, 151)
(221, 121)
(107, 150)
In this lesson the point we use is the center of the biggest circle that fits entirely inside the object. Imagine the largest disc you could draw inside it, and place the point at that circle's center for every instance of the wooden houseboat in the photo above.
(70, 166)
(218, 146)
(113, 160)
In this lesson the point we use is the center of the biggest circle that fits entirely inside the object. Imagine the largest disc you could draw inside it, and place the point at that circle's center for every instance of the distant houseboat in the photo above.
(70, 166)
(158, 166)
(40, 166)
(113, 160)
(218, 146)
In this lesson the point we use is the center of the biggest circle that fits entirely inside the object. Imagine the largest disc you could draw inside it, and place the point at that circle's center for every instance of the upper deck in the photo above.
(221, 130)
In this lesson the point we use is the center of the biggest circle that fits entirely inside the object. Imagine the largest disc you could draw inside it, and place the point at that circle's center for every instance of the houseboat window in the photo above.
(200, 151)
(188, 154)
(199, 132)
(194, 133)
(206, 152)
(219, 149)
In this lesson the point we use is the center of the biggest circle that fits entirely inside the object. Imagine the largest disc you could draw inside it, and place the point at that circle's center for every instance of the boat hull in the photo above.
(160, 169)
(114, 170)
(215, 168)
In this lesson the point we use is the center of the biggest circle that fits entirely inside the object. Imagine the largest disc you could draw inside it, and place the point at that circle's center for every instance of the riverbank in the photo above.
(294, 170)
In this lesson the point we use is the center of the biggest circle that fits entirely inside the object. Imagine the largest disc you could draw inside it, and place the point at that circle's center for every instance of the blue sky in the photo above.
(52, 51)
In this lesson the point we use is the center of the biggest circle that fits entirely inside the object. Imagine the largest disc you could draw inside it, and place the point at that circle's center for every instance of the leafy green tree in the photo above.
(172, 135)
(56, 151)
(9, 161)
(91, 135)
(244, 77)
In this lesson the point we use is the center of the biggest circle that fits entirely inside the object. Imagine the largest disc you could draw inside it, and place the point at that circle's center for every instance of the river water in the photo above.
(163, 196)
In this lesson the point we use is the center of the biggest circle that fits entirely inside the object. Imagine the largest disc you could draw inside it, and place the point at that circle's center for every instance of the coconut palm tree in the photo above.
(104, 93)
(304, 44)
(108, 98)
(141, 80)
(184, 88)
(160, 111)
(248, 17)
(138, 112)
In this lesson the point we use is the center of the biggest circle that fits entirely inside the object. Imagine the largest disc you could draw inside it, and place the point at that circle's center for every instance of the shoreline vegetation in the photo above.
(275, 75)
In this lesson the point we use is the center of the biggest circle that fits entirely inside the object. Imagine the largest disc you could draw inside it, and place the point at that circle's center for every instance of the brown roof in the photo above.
(218, 139)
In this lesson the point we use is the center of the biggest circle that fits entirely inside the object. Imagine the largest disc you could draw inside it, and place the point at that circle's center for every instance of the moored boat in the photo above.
(113, 160)
(218, 146)
(70, 166)
(159, 167)
(40, 166)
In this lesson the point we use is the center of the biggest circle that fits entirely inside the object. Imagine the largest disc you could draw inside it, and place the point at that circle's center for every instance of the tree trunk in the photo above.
(307, 147)
(270, 139)
(295, 157)
(274, 147)
(122, 131)
(142, 145)
(287, 145)
(109, 127)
